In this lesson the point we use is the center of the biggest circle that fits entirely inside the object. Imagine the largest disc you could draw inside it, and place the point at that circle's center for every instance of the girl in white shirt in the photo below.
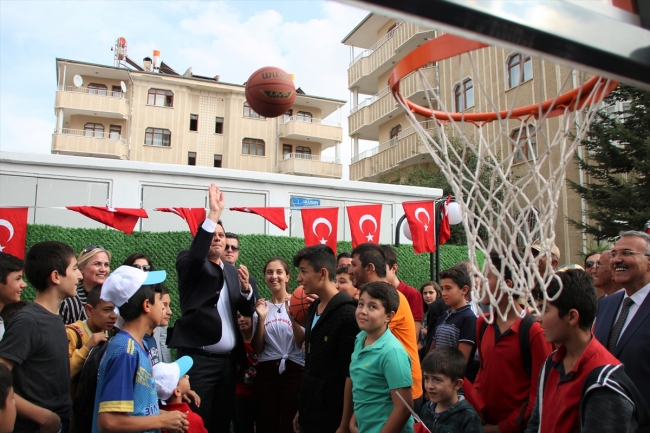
(280, 362)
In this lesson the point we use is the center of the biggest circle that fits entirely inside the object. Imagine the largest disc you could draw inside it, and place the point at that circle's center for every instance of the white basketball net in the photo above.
(517, 202)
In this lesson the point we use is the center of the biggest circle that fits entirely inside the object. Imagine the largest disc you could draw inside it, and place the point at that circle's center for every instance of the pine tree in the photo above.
(618, 164)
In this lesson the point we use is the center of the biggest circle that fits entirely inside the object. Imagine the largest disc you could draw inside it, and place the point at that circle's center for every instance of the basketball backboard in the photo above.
(590, 35)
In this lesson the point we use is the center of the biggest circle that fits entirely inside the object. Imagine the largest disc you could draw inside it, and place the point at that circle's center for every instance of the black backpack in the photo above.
(83, 405)
(524, 340)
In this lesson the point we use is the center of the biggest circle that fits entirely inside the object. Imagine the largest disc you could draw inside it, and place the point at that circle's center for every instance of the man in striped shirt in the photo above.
(94, 264)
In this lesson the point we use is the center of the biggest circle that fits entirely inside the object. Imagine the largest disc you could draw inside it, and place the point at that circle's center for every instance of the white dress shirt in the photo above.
(638, 299)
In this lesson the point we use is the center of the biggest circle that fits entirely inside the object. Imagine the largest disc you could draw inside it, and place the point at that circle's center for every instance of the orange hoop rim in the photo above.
(448, 45)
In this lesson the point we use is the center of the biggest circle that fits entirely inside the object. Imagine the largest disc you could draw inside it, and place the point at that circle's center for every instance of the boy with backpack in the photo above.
(35, 345)
(126, 398)
(582, 386)
(83, 335)
(511, 353)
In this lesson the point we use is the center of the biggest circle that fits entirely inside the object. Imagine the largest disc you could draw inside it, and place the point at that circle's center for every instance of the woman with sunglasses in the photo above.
(157, 342)
(94, 263)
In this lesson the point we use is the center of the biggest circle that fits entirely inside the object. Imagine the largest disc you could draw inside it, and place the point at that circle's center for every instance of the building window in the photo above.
(394, 132)
(287, 116)
(116, 91)
(532, 217)
(524, 143)
(249, 112)
(97, 89)
(286, 150)
(217, 161)
(464, 95)
(194, 122)
(391, 28)
(191, 158)
(252, 146)
(160, 98)
(158, 137)
(303, 152)
(520, 69)
(304, 116)
(115, 132)
(218, 125)
(94, 130)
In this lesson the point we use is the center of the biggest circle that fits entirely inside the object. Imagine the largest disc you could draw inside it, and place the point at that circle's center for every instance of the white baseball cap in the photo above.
(167, 375)
(124, 281)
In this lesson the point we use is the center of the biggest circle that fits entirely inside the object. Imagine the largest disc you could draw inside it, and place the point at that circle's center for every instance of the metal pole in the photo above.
(436, 221)
(397, 227)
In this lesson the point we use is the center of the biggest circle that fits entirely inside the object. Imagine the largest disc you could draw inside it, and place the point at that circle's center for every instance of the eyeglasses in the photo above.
(145, 268)
(231, 247)
(89, 248)
(626, 253)
(590, 264)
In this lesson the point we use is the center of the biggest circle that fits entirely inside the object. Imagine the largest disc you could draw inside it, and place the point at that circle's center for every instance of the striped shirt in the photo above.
(73, 309)
(457, 326)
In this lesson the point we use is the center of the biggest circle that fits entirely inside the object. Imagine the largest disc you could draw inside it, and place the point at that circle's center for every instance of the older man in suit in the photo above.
(211, 292)
(623, 320)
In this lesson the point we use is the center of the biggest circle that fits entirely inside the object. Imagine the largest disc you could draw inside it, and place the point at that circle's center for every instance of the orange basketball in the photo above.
(299, 304)
(270, 91)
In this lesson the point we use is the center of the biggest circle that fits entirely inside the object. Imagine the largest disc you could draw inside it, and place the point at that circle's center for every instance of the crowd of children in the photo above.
(361, 362)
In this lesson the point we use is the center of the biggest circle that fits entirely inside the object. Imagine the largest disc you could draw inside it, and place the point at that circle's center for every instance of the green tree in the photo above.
(618, 163)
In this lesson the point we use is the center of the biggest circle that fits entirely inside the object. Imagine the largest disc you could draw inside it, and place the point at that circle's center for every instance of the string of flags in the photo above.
(320, 224)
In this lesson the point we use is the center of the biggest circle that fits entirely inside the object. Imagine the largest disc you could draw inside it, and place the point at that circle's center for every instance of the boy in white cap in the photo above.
(126, 398)
(172, 383)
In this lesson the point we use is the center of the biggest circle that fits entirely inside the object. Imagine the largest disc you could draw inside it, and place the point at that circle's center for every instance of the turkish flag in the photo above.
(365, 223)
(320, 226)
(193, 215)
(445, 230)
(274, 215)
(13, 231)
(421, 221)
(120, 218)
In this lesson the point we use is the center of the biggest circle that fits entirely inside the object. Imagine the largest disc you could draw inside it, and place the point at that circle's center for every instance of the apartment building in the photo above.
(510, 78)
(149, 112)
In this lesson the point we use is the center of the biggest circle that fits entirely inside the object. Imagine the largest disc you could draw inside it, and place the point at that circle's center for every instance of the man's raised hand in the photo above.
(216, 202)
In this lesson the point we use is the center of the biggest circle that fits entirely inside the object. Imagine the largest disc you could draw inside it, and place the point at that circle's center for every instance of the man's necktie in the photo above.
(618, 326)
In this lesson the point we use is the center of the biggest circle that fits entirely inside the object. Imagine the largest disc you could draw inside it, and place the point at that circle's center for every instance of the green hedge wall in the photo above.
(163, 247)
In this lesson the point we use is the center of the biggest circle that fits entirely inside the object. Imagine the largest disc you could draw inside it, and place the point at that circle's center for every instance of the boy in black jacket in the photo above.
(324, 404)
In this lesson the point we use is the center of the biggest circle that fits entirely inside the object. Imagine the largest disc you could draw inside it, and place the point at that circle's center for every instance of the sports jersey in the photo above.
(125, 381)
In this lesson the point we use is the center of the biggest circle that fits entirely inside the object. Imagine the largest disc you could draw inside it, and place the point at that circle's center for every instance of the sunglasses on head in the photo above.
(145, 268)
(89, 248)
(231, 247)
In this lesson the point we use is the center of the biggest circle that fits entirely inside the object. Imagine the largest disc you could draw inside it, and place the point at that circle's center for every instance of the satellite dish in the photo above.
(123, 86)
(78, 81)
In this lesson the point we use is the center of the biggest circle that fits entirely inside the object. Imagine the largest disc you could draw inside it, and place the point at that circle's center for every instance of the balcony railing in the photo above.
(99, 92)
(427, 124)
(379, 43)
(287, 119)
(91, 134)
(310, 157)
(369, 101)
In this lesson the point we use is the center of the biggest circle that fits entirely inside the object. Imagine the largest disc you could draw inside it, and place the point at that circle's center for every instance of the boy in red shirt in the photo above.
(506, 385)
(172, 383)
(582, 386)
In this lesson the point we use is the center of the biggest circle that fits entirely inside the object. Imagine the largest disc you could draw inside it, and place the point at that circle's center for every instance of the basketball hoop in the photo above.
(500, 194)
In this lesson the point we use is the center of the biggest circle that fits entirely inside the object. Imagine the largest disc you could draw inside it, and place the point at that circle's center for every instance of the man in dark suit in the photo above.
(211, 292)
(231, 251)
(623, 320)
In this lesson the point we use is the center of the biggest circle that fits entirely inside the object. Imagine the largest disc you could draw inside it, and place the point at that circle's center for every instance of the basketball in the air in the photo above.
(299, 304)
(270, 91)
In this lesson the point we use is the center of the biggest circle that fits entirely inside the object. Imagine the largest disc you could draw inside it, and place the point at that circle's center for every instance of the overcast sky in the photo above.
(231, 39)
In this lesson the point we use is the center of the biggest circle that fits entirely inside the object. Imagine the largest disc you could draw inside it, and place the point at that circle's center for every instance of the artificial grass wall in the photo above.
(163, 247)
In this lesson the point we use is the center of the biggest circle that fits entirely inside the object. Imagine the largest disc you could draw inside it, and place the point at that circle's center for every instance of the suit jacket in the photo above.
(633, 348)
(200, 283)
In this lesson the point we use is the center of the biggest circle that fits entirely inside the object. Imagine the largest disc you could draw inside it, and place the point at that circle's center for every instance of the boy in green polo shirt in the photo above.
(380, 367)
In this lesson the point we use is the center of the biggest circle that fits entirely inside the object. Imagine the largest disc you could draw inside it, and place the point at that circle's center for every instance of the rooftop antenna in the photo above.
(120, 52)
